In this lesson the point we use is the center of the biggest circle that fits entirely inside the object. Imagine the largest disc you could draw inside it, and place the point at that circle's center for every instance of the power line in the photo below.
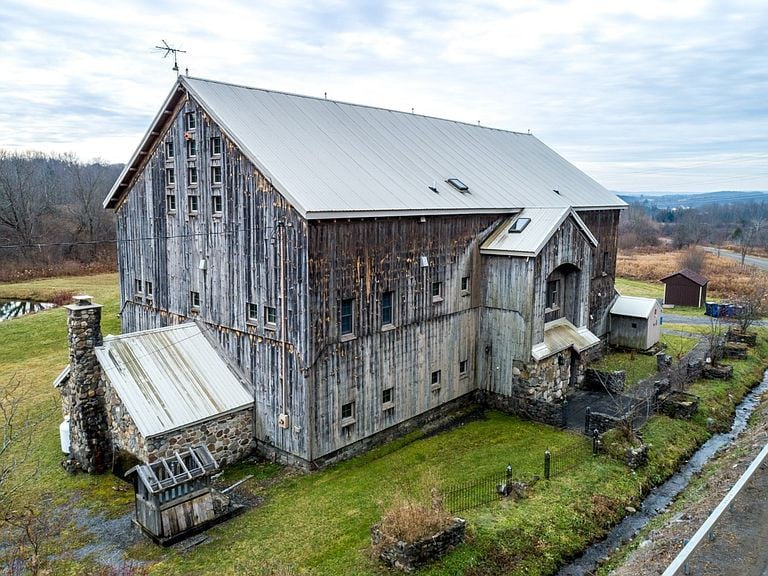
(129, 240)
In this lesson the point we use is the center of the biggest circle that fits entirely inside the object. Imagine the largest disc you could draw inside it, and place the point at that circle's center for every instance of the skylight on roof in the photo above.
(519, 225)
(458, 184)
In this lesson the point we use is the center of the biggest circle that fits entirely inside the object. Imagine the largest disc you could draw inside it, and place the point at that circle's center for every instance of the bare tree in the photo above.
(747, 234)
(87, 185)
(752, 303)
(28, 187)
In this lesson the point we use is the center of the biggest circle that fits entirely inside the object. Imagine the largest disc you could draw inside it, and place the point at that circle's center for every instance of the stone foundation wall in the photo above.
(552, 413)
(547, 380)
(228, 437)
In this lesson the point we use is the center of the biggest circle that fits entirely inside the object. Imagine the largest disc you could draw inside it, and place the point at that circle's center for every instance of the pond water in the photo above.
(10, 309)
(661, 496)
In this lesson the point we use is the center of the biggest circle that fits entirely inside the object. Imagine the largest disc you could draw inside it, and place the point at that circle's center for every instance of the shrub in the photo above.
(693, 259)
(409, 520)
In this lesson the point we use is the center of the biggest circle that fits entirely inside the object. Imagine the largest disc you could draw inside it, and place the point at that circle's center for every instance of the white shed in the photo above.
(635, 322)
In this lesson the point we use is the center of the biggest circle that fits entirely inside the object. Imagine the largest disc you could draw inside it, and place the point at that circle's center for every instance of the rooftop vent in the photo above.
(519, 225)
(459, 185)
(556, 192)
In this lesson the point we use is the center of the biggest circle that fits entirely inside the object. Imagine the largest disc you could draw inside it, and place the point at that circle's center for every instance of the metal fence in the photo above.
(482, 491)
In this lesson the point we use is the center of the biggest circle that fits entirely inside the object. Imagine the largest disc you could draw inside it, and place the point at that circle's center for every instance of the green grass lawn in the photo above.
(639, 366)
(319, 523)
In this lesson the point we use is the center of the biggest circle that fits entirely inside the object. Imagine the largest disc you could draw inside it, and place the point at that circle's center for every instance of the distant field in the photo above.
(727, 278)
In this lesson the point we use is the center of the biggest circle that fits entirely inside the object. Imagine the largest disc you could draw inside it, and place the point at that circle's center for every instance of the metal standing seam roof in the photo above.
(169, 378)
(560, 335)
(634, 306)
(331, 158)
(529, 242)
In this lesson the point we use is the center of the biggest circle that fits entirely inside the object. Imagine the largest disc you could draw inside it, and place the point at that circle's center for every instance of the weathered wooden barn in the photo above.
(685, 288)
(635, 322)
(365, 269)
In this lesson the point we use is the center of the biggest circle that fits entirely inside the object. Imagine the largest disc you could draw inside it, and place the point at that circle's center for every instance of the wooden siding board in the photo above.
(604, 225)
(361, 259)
(241, 266)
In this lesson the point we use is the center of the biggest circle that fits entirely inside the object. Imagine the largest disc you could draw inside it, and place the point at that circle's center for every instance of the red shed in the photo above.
(685, 288)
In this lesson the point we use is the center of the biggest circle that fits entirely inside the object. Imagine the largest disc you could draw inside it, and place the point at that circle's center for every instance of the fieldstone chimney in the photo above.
(89, 432)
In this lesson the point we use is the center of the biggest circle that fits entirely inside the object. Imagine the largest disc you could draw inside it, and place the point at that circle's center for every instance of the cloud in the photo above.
(642, 95)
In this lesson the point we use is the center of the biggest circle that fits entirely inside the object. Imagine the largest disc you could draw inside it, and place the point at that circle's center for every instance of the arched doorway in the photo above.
(562, 294)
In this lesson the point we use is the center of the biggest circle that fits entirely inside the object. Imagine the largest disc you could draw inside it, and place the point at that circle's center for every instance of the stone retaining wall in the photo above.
(409, 556)
(599, 380)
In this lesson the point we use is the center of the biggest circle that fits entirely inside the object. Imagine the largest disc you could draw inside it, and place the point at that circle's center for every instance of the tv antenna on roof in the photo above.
(174, 51)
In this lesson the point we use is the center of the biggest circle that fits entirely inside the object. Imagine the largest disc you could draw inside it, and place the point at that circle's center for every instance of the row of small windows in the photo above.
(347, 310)
(388, 398)
(191, 144)
(193, 204)
(192, 179)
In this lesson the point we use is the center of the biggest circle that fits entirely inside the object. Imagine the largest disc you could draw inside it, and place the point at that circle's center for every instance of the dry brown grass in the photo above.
(727, 278)
(409, 520)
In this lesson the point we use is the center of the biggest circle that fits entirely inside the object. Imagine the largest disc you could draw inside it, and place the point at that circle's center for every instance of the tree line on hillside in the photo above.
(744, 225)
(51, 215)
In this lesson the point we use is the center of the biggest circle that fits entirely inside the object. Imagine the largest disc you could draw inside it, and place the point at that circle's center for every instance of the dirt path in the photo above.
(657, 546)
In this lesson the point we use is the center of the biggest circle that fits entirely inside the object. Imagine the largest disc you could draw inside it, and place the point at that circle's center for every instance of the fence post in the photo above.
(547, 461)
(595, 442)
(587, 418)
(508, 475)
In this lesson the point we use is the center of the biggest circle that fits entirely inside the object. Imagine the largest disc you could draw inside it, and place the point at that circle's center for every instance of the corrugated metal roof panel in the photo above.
(634, 306)
(170, 377)
(544, 222)
(330, 157)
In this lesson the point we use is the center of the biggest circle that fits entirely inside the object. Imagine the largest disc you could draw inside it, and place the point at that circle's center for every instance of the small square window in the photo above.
(169, 149)
(252, 313)
(215, 174)
(191, 148)
(386, 309)
(148, 289)
(347, 316)
(190, 122)
(216, 146)
(270, 316)
(465, 283)
(194, 300)
(347, 413)
(634, 324)
(216, 204)
(437, 291)
(170, 176)
(194, 203)
(192, 175)
(463, 367)
(386, 396)
(170, 202)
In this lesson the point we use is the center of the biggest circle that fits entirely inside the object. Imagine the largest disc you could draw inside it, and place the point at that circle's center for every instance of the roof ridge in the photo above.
(355, 104)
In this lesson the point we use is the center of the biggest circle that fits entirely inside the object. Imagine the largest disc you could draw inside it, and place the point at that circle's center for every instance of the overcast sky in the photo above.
(644, 95)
